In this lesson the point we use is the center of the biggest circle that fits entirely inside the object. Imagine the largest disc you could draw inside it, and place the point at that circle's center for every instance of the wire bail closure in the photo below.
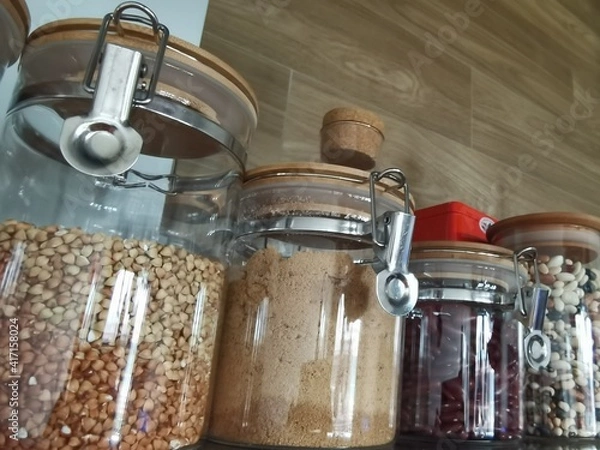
(145, 94)
(102, 143)
(397, 287)
(531, 311)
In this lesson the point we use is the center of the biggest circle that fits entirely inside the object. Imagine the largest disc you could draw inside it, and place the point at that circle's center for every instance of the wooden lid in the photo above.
(19, 12)
(543, 219)
(177, 95)
(338, 174)
(472, 251)
(354, 114)
(143, 38)
(574, 235)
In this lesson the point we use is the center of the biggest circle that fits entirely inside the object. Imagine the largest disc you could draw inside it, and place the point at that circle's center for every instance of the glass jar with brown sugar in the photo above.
(309, 355)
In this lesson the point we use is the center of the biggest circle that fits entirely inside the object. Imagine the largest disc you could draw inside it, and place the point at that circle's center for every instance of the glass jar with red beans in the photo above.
(465, 347)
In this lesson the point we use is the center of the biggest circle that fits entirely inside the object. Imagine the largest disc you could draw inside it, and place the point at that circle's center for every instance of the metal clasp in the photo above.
(531, 310)
(103, 143)
(161, 32)
(397, 287)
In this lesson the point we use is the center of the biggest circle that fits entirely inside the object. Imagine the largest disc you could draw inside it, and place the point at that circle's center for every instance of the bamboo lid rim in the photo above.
(24, 14)
(460, 247)
(320, 169)
(535, 220)
(19, 12)
(175, 44)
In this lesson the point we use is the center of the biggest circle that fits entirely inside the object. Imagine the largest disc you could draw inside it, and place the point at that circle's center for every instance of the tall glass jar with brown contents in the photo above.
(14, 28)
(563, 400)
(120, 175)
(309, 355)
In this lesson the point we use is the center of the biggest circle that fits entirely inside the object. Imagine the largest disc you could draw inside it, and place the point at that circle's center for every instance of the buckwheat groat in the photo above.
(116, 339)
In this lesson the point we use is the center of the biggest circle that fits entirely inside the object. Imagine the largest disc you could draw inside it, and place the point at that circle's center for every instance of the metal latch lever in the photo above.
(102, 143)
(397, 287)
(532, 302)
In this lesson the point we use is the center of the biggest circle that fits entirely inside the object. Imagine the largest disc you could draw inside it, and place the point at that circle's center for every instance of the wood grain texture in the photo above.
(436, 166)
(495, 103)
(346, 43)
(504, 121)
(270, 81)
(586, 11)
(491, 43)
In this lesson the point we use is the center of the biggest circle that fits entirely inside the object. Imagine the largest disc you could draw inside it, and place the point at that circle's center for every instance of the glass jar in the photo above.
(14, 27)
(462, 372)
(308, 357)
(117, 208)
(562, 400)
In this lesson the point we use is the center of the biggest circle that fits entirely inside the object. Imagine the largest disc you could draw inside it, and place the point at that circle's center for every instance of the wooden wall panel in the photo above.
(495, 103)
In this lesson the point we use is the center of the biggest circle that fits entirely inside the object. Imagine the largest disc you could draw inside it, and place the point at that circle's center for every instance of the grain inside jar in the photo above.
(116, 339)
(308, 357)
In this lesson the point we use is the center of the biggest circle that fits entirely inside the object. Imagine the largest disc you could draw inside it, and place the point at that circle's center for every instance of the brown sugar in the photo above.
(308, 357)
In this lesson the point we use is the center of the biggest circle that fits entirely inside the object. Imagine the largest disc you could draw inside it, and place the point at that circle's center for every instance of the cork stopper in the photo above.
(351, 137)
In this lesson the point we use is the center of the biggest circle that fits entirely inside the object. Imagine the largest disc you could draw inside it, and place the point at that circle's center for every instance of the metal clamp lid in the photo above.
(397, 287)
(531, 310)
(390, 235)
(102, 143)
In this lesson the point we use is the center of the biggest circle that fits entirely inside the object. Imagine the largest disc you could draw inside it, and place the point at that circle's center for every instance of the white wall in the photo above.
(184, 18)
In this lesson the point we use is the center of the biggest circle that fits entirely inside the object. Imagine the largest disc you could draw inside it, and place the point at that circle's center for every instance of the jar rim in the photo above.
(449, 264)
(19, 12)
(334, 173)
(574, 235)
(547, 220)
(178, 49)
(461, 250)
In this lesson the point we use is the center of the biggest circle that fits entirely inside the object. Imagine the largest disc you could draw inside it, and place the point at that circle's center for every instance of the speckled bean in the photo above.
(561, 399)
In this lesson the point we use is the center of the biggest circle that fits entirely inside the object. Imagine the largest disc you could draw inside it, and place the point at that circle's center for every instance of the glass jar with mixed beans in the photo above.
(562, 401)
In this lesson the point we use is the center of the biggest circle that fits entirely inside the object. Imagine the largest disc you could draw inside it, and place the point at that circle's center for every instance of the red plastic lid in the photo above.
(452, 221)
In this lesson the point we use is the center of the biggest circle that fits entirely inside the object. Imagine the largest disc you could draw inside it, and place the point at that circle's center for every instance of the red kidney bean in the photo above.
(462, 375)
(452, 427)
(451, 407)
(451, 417)
(453, 390)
